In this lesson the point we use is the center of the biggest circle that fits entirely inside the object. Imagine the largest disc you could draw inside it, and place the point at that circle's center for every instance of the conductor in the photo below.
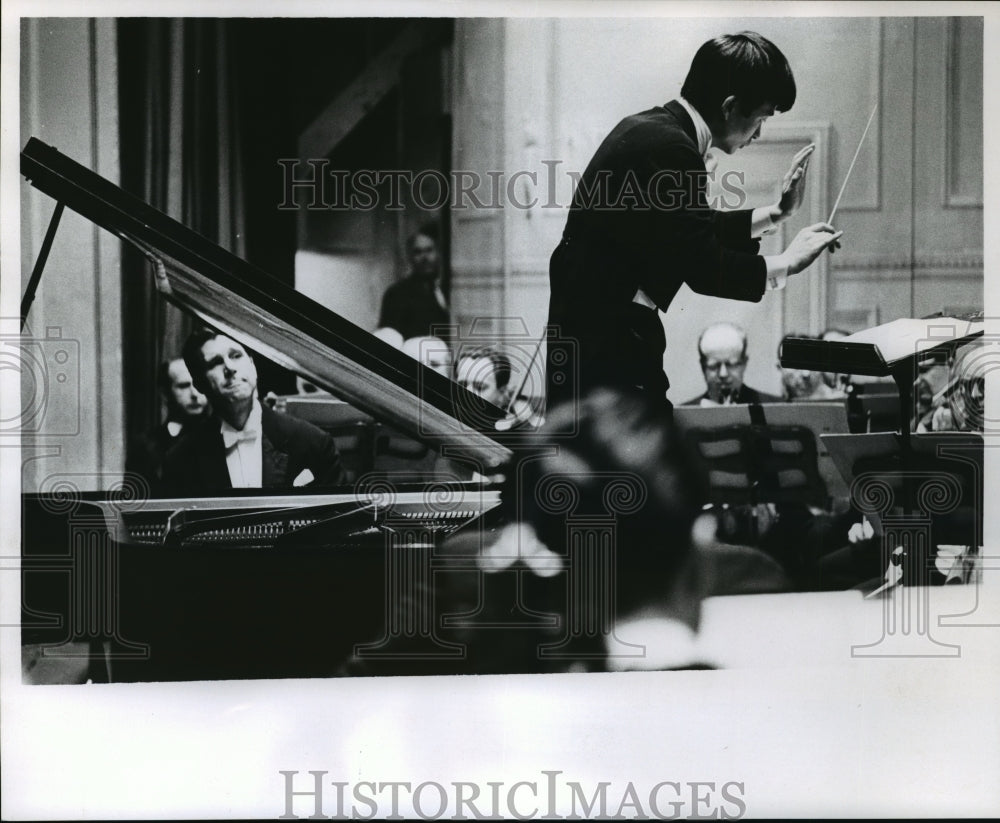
(640, 224)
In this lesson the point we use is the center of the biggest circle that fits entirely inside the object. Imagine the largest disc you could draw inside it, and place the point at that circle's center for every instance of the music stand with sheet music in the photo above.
(765, 454)
(891, 350)
(949, 467)
(773, 422)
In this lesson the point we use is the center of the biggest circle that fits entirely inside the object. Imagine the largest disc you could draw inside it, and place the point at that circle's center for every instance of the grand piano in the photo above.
(378, 578)
(252, 584)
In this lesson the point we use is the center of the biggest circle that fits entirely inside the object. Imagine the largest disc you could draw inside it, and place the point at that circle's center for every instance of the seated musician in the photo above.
(432, 351)
(185, 407)
(243, 444)
(928, 389)
(722, 352)
(958, 406)
(485, 372)
(803, 385)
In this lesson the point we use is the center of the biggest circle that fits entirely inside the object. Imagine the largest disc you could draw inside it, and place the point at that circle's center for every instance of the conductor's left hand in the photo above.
(793, 185)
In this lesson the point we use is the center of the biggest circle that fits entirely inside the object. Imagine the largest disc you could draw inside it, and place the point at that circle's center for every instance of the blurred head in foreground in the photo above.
(608, 501)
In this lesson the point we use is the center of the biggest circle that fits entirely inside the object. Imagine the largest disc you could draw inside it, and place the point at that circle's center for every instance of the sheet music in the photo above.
(907, 336)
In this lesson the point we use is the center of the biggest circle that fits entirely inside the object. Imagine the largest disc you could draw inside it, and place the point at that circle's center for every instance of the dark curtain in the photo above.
(180, 152)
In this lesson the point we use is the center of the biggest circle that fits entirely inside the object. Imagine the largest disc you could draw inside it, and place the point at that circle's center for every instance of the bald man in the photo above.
(722, 350)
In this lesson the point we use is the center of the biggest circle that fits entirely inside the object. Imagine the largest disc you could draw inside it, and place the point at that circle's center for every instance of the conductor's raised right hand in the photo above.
(808, 244)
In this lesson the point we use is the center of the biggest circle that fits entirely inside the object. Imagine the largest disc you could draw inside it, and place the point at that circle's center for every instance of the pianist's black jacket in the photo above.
(197, 464)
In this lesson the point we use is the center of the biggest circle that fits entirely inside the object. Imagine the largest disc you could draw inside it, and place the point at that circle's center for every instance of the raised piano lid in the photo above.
(875, 352)
(274, 319)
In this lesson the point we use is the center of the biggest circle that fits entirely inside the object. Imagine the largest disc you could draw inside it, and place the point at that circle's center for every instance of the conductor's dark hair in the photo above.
(612, 457)
(746, 65)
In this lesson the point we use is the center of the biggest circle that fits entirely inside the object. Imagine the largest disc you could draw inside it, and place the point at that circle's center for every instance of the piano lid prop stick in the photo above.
(159, 269)
(43, 256)
(851, 167)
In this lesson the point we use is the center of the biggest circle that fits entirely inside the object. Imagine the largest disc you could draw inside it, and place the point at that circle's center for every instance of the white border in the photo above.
(202, 749)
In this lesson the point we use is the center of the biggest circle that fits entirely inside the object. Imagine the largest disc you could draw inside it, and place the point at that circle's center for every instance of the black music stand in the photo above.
(936, 481)
(873, 407)
(782, 438)
(890, 350)
(751, 455)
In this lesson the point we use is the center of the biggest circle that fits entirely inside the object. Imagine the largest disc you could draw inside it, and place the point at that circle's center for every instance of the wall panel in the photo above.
(911, 211)
(72, 381)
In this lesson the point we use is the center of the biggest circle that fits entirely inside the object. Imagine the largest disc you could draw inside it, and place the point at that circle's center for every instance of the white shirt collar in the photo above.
(703, 132)
(244, 451)
(174, 427)
(250, 429)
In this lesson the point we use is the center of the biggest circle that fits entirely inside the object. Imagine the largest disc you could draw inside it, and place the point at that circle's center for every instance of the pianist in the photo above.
(243, 444)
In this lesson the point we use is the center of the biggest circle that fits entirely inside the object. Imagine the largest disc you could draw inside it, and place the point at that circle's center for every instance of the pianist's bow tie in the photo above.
(230, 438)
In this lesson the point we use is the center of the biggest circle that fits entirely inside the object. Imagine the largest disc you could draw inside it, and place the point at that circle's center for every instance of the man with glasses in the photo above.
(722, 349)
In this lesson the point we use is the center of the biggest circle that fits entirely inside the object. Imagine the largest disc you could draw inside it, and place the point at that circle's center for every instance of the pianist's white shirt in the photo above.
(244, 453)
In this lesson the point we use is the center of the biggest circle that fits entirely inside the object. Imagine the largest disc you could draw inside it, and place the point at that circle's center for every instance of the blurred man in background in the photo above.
(415, 305)
(185, 405)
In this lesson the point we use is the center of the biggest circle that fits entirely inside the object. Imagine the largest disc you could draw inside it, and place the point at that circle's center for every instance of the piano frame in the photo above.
(159, 575)
(271, 317)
